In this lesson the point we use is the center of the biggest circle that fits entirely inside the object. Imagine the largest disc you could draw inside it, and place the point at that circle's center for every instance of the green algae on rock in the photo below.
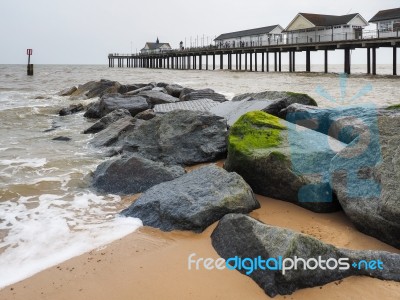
(282, 160)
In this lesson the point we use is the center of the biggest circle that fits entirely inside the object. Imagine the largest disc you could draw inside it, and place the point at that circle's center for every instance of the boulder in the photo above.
(126, 88)
(139, 90)
(204, 94)
(62, 139)
(161, 84)
(111, 102)
(283, 161)
(132, 175)
(277, 95)
(110, 135)
(154, 97)
(184, 92)
(178, 137)
(240, 236)
(193, 201)
(68, 91)
(146, 115)
(270, 102)
(108, 119)
(95, 89)
(174, 90)
(366, 176)
(160, 89)
(72, 109)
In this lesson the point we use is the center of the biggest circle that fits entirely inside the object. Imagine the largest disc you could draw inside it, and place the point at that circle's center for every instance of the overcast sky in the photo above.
(85, 31)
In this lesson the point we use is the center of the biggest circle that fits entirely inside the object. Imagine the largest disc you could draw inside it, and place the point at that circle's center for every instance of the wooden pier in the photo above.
(246, 58)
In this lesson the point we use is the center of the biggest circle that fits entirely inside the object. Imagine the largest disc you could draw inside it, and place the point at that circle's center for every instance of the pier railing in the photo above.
(284, 40)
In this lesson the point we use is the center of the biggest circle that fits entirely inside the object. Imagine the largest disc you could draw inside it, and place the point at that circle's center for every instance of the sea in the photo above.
(48, 212)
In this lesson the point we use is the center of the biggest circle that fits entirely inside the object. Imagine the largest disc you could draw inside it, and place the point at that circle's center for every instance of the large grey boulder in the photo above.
(132, 175)
(108, 119)
(240, 236)
(193, 201)
(366, 176)
(174, 90)
(72, 109)
(111, 102)
(127, 88)
(270, 102)
(178, 137)
(290, 97)
(68, 91)
(139, 90)
(204, 94)
(110, 135)
(155, 97)
(343, 123)
(283, 161)
(96, 89)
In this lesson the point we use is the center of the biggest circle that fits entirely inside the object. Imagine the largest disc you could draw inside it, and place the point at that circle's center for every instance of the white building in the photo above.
(387, 21)
(309, 28)
(156, 47)
(251, 37)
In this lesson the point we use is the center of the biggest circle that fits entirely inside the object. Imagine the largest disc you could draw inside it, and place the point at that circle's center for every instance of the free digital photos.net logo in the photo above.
(354, 125)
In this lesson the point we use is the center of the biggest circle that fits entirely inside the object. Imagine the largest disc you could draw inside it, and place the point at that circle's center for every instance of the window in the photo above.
(346, 26)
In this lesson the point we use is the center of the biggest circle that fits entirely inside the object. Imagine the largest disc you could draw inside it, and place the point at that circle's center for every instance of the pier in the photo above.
(247, 58)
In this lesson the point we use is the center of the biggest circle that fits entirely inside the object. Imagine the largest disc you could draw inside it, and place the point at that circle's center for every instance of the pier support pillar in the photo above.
(236, 61)
(251, 62)
(207, 62)
(308, 61)
(290, 62)
(368, 60)
(245, 61)
(200, 62)
(240, 61)
(326, 61)
(394, 60)
(347, 62)
(373, 61)
(213, 61)
(267, 62)
(280, 61)
(294, 61)
(221, 61)
(262, 62)
(276, 62)
(255, 61)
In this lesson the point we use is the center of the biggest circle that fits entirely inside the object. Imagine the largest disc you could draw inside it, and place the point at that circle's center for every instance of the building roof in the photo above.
(319, 20)
(248, 32)
(387, 14)
(328, 20)
(154, 46)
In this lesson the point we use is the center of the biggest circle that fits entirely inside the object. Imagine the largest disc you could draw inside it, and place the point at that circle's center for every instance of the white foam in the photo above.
(56, 229)
(24, 162)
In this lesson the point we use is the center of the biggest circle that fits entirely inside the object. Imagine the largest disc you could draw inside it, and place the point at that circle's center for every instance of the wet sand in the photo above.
(150, 264)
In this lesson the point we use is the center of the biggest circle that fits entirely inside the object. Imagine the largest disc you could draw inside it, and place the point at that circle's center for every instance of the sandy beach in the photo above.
(150, 264)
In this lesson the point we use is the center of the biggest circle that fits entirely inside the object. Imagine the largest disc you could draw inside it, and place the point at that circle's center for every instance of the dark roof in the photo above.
(153, 46)
(328, 20)
(255, 31)
(387, 14)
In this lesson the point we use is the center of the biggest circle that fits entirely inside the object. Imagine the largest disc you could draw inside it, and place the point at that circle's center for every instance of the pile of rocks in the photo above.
(277, 144)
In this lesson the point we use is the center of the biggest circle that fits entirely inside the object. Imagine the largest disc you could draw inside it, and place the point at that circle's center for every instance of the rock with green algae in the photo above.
(284, 161)
(241, 236)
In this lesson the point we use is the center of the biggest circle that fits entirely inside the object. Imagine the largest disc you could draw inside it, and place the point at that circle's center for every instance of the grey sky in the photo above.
(85, 31)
